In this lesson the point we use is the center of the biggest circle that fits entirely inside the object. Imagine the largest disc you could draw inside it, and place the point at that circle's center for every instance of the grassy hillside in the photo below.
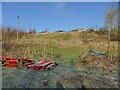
(63, 46)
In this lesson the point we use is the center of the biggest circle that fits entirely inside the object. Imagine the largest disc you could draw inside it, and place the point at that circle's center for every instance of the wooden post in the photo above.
(18, 28)
(108, 43)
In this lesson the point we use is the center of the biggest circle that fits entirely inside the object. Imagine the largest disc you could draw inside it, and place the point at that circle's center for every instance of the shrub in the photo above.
(114, 35)
(102, 31)
(11, 34)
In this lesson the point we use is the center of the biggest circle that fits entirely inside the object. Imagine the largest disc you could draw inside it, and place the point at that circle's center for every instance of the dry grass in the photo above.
(57, 45)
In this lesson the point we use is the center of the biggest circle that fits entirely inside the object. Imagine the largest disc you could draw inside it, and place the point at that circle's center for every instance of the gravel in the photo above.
(65, 75)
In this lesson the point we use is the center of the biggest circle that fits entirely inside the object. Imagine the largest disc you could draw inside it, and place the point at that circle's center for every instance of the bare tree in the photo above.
(111, 18)
(111, 22)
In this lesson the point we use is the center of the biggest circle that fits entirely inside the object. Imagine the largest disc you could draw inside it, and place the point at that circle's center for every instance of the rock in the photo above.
(59, 85)
(44, 82)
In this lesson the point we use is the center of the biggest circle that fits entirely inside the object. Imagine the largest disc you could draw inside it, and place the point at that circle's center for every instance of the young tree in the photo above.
(111, 22)
(111, 18)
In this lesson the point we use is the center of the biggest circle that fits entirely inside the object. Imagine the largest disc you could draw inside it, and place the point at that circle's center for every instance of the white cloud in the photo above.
(61, 9)
(60, 5)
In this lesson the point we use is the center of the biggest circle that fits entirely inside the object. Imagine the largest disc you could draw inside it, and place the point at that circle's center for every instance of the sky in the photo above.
(55, 15)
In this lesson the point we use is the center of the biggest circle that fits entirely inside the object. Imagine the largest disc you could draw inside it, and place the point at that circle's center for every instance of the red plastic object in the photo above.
(13, 62)
(27, 63)
(42, 66)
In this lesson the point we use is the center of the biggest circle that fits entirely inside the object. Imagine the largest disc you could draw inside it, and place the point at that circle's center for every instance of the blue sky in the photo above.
(55, 15)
